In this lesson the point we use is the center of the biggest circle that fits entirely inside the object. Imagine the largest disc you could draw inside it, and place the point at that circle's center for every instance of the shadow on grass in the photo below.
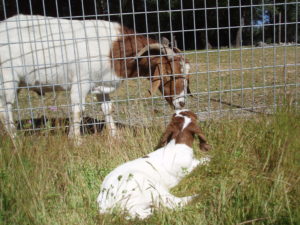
(88, 125)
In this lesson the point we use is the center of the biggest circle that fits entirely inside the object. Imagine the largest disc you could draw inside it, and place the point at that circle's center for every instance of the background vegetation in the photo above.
(196, 24)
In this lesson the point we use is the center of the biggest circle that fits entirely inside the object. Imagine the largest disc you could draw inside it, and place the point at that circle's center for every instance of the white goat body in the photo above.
(51, 51)
(47, 54)
(139, 185)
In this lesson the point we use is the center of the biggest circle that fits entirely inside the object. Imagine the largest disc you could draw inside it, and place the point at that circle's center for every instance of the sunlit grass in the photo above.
(253, 177)
(221, 81)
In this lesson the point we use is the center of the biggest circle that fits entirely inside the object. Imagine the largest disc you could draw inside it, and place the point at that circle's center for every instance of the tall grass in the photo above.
(253, 177)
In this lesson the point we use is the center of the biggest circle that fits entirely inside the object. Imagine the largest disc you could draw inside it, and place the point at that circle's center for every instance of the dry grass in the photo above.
(254, 175)
(221, 81)
(252, 179)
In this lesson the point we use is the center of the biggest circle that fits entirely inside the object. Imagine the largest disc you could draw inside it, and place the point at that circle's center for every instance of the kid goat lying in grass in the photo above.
(137, 186)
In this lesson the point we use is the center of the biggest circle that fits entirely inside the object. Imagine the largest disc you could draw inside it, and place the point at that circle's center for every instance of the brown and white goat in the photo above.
(138, 186)
(48, 54)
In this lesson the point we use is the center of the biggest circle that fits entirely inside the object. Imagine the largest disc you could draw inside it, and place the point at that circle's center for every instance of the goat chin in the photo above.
(138, 186)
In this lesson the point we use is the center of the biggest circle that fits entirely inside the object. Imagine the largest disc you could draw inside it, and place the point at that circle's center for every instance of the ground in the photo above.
(253, 177)
(222, 82)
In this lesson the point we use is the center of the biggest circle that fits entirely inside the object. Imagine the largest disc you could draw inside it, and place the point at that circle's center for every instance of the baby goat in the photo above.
(137, 186)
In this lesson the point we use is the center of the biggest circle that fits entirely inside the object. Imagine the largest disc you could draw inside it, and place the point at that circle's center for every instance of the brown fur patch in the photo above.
(125, 49)
(185, 136)
(126, 65)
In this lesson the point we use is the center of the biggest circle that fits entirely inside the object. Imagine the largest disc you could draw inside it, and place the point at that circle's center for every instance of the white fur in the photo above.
(38, 51)
(47, 54)
(185, 67)
(177, 99)
(187, 120)
(137, 186)
(178, 111)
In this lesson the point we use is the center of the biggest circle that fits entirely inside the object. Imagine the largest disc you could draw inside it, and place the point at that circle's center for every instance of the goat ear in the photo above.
(205, 147)
(167, 135)
(189, 90)
(154, 87)
(203, 141)
(156, 81)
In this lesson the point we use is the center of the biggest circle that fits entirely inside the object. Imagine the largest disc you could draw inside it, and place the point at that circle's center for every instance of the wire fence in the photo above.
(243, 58)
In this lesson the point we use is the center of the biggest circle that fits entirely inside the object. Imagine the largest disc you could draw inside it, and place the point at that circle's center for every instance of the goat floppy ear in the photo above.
(189, 92)
(155, 85)
(156, 80)
(166, 136)
(188, 88)
(203, 141)
(170, 132)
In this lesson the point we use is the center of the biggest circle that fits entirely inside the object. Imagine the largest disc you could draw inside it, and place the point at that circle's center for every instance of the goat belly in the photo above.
(132, 183)
(58, 51)
(124, 191)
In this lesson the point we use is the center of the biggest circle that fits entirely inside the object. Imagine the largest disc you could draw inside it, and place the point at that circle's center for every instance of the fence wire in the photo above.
(244, 59)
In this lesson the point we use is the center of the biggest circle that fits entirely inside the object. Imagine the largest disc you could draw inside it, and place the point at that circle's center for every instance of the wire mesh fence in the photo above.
(243, 58)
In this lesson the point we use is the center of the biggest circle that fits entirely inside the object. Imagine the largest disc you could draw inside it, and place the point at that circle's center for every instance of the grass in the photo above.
(221, 82)
(252, 179)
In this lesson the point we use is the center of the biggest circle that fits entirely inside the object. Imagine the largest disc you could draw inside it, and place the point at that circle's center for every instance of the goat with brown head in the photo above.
(142, 184)
(109, 54)
(169, 73)
(137, 56)
(183, 127)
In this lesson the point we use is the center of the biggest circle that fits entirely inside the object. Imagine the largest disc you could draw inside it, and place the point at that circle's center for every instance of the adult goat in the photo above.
(49, 54)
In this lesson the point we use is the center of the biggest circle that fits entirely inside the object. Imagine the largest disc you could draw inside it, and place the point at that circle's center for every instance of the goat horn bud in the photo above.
(156, 46)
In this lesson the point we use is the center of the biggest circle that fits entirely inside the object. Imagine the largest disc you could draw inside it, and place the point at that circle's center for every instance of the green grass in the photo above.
(253, 177)
(220, 81)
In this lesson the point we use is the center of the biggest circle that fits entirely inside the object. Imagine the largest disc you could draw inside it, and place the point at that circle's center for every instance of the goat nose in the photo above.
(181, 104)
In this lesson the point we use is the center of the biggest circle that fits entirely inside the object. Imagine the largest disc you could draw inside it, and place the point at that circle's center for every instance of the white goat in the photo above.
(137, 186)
(46, 54)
